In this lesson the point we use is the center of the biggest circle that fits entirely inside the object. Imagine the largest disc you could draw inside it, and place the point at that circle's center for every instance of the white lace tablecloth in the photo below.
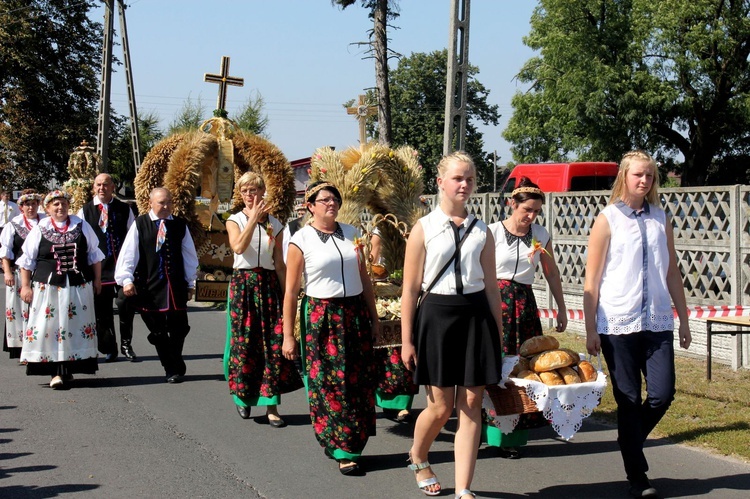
(564, 406)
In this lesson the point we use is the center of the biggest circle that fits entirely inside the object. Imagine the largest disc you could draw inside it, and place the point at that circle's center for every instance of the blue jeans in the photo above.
(627, 356)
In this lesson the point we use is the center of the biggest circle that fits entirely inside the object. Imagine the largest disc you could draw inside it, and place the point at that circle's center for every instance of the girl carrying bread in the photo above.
(451, 337)
(520, 246)
(631, 274)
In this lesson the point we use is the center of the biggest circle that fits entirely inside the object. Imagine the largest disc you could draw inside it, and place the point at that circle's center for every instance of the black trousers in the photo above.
(167, 332)
(628, 356)
(105, 317)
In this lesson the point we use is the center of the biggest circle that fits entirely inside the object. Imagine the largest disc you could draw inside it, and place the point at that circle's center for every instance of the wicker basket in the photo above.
(510, 400)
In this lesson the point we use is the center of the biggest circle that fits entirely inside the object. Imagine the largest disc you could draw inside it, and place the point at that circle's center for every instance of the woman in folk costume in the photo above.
(13, 235)
(256, 370)
(60, 273)
(520, 246)
(338, 321)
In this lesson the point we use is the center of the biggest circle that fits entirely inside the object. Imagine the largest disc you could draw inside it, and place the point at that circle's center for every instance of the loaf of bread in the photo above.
(549, 361)
(522, 365)
(551, 378)
(530, 375)
(538, 344)
(569, 375)
(574, 354)
(586, 371)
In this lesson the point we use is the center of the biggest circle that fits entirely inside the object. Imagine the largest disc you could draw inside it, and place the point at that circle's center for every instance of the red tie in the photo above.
(103, 217)
(161, 235)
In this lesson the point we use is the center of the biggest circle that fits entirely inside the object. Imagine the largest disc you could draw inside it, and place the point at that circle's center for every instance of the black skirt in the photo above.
(457, 341)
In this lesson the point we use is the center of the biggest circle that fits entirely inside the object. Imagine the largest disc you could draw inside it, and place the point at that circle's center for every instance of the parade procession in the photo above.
(194, 313)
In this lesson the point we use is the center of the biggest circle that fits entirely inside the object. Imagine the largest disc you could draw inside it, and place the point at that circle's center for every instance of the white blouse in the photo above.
(259, 253)
(633, 294)
(31, 245)
(440, 244)
(9, 233)
(331, 261)
(512, 260)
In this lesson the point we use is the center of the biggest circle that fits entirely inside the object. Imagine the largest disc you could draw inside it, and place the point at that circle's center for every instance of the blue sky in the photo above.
(298, 55)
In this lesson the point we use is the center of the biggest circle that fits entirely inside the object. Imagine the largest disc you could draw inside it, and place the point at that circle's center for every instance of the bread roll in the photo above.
(569, 375)
(586, 371)
(522, 365)
(551, 378)
(574, 354)
(549, 361)
(538, 344)
(530, 375)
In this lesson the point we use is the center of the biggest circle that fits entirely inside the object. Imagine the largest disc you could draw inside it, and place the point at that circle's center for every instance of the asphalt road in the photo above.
(124, 432)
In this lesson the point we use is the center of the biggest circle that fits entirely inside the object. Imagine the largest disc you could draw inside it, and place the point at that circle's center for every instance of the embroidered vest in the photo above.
(63, 255)
(21, 231)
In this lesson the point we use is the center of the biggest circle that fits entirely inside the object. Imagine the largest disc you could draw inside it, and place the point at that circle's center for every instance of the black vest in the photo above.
(295, 225)
(159, 277)
(63, 255)
(19, 236)
(110, 242)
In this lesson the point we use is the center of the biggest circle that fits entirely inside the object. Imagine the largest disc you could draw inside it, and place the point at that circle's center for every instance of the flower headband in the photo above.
(314, 190)
(57, 193)
(29, 197)
(530, 190)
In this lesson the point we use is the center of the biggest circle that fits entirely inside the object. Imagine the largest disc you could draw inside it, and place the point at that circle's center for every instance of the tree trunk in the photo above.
(380, 40)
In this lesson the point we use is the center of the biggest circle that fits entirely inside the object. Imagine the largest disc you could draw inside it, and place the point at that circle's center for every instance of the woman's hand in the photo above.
(27, 294)
(290, 348)
(593, 343)
(685, 337)
(562, 319)
(10, 279)
(97, 286)
(409, 356)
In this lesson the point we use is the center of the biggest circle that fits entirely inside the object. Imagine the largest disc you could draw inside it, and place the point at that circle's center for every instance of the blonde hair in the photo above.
(618, 189)
(252, 179)
(458, 157)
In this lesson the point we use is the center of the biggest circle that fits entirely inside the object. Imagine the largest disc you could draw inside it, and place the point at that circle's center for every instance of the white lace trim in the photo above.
(564, 406)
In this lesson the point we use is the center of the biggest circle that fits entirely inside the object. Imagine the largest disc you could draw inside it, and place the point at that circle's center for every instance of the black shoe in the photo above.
(641, 487)
(509, 452)
(350, 469)
(111, 357)
(128, 352)
(244, 412)
(276, 423)
(175, 378)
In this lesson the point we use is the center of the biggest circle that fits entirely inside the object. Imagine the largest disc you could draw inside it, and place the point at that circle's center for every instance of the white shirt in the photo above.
(9, 232)
(440, 244)
(633, 294)
(30, 246)
(512, 260)
(331, 267)
(97, 202)
(129, 256)
(259, 252)
(8, 211)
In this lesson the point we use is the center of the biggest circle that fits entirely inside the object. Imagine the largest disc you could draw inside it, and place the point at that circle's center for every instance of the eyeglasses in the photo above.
(330, 200)
(251, 192)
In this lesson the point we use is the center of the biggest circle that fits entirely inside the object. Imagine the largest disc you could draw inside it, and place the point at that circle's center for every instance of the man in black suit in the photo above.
(111, 219)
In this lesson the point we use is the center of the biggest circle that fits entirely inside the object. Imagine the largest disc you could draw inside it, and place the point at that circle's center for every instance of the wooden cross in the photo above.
(223, 80)
(362, 111)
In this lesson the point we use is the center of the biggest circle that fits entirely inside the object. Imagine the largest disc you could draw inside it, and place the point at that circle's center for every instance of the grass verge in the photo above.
(714, 415)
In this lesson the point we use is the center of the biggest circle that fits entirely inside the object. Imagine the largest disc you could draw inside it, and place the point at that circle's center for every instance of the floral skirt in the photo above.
(16, 313)
(520, 322)
(396, 387)
(254, 366)
(341, 373)
(61, 328)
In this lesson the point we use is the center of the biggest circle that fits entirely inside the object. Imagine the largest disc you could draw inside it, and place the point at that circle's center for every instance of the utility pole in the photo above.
(102, 139)
(494, 171)
(454, 135)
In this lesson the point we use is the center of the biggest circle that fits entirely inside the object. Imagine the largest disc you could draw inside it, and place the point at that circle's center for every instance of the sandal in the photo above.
(465, 492)
(427, 482)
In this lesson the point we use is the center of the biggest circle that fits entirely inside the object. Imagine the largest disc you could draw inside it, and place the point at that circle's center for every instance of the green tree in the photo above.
(381, 11)
(121, 155)
(50, 56)
(190, 117)
(251, 116)
(671, 77)
(418, 88)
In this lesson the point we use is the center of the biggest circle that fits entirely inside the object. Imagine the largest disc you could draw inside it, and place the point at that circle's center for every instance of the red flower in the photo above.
(335, 405)
(332, 350)
(340, 374)
(395, 358)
